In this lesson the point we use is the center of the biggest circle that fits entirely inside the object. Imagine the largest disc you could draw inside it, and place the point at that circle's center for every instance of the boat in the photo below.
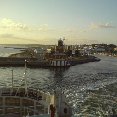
(28, 102)
(17, 102)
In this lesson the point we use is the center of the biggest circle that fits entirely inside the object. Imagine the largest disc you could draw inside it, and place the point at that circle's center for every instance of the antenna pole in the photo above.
(25, 78)
(12, 79)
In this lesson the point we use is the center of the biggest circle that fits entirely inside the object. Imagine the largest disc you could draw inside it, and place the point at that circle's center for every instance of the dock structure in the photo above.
(57, 57)
(18, 62)
(34, 62)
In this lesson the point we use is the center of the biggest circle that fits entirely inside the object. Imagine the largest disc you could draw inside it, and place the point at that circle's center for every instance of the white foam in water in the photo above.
(90, 88)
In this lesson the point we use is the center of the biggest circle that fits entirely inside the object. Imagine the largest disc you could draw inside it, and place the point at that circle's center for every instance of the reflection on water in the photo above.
(90, 88)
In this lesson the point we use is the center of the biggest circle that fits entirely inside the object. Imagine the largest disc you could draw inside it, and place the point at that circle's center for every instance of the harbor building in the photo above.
(58, 57)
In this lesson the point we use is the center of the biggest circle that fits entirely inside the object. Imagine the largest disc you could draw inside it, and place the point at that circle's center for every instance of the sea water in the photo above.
(91, 88)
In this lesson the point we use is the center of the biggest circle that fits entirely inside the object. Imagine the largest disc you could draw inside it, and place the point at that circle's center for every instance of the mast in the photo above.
(25, 78)
(12, 79)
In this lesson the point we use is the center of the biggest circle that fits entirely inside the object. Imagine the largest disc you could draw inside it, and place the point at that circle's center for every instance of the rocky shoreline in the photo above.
(85, 59)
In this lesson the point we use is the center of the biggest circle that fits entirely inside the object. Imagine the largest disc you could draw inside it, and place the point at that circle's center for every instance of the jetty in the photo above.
(20, 62)
(34, 62)
(56, 56)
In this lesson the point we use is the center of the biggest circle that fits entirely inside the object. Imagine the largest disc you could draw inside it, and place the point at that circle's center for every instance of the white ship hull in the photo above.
(18, 102)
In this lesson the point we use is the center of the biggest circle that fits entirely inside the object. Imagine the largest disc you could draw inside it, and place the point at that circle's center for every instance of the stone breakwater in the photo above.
(34, 62)
(18, 62)
(82, 60)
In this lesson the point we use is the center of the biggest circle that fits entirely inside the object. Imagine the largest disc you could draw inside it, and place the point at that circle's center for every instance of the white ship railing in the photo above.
(41, 100)
(30, 93)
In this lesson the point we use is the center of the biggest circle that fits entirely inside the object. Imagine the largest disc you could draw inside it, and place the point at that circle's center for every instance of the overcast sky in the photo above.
(45, 21)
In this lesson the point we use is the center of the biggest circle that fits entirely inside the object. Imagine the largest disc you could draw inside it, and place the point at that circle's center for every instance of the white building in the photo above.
(100, 49)
(39, 52)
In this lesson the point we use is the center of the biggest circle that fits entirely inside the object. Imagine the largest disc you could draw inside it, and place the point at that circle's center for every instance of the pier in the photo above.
(19, 62)
(34, 62)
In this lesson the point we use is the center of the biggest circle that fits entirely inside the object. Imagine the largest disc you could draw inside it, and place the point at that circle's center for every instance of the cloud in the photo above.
(101, 26)
(86, 41)
(12, 36)
(6, 35)
(13, 25)
(43, 27)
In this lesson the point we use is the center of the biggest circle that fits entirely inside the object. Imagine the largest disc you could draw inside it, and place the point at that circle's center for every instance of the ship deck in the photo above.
(19, 102)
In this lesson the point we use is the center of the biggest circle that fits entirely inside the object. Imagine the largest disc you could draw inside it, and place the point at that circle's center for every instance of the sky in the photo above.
(46, 21)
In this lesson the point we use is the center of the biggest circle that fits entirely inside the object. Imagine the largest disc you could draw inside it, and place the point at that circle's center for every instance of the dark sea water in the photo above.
(91, 88)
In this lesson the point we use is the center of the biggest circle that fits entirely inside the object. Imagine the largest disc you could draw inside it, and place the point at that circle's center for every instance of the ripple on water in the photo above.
(90, 88)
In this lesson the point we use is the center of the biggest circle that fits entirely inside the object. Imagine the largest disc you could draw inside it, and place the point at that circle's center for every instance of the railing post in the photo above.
(34, 107)
(20, 107)
(4, 105)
